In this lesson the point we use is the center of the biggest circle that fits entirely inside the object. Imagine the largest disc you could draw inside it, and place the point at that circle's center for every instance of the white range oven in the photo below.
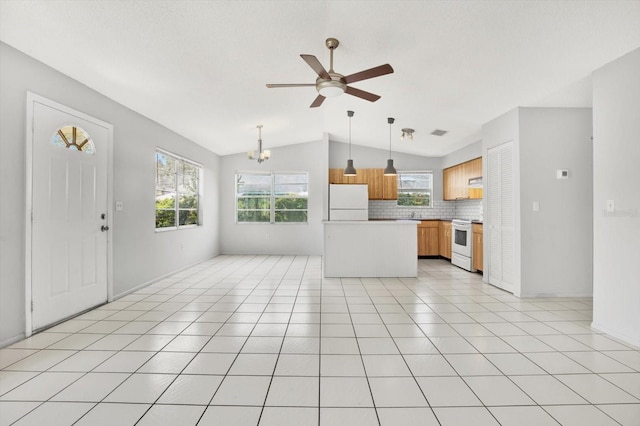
(461, 242)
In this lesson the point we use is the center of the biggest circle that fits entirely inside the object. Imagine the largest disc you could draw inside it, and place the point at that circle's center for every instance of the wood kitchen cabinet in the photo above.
(336, 176)
(380, 187)
(477, 247)
(428, 238)
(455, 180)
(389, 187)
(444, 239)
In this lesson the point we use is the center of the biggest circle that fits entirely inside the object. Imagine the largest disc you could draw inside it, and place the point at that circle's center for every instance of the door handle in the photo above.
(104, 228)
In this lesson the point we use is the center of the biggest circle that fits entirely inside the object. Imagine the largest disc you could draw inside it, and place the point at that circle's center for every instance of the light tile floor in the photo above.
(264, 340)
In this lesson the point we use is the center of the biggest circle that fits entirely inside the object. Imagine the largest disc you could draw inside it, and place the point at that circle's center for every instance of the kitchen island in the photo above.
(376, 248)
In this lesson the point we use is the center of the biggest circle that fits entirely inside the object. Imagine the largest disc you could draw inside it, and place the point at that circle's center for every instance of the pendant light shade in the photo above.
(390, 170)
(350, 170)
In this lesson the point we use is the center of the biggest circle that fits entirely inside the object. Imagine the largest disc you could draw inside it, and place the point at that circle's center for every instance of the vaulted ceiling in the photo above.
(200, 67)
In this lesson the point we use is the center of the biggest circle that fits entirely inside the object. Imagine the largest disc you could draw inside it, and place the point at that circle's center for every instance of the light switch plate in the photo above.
(611, 206)
(119, 206)
(536, 206)
(562, 174)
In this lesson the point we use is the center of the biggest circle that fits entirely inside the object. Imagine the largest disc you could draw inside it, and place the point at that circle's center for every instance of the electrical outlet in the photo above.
(611, 207)
(119, 206)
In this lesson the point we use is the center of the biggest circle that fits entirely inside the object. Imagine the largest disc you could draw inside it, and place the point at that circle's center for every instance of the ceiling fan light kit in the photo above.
(330, 83)
(260, 155)
(407, 133)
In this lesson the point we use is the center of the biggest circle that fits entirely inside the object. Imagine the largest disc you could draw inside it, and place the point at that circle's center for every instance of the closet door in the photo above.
(500, 218)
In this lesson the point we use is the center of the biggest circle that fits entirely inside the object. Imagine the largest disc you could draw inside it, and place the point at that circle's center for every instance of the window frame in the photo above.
(272, 197)
(424, 190)
(177, 159)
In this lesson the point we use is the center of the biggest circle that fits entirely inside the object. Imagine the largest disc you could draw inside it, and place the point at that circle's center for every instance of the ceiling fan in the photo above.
(330, 83)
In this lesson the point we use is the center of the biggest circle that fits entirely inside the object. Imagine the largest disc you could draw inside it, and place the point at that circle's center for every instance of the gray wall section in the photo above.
(467, 153)
(616, 149)
(289, 238)
(140, 255)
(369, 158)
(556, 241)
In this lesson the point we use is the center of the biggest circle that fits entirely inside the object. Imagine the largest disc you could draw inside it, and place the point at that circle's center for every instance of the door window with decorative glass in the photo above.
(415, 189)
(177, 191)
(272, 197)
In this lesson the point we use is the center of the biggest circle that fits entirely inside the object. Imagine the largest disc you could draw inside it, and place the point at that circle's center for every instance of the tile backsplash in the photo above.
(460, 209)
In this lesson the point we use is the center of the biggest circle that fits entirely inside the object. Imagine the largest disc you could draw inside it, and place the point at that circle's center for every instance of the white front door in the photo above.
(69, 226)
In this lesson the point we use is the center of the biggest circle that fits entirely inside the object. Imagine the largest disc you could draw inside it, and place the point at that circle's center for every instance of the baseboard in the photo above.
(554, 295)
(627, 339)
(154, 280)
(11, 340)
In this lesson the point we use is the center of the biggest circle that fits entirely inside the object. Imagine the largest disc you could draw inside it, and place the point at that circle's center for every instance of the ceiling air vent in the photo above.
(438, 132)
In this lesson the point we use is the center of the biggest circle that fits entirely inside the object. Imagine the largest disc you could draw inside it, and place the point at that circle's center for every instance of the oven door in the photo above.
(461, 241)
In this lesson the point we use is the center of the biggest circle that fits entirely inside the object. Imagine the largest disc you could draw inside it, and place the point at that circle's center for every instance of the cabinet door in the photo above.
(389, 187)
(477, 251)
(422, 241)
(336, 176)
(447, 184)
(432, 246)
(373, 178)
(444, 239)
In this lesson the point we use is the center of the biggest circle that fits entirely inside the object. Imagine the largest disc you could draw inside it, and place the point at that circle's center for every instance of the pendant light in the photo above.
(350, 170)
(390, 170)
(260, 155)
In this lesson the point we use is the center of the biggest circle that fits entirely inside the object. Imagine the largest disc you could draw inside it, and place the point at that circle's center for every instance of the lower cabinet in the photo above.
(444, 231)
(428, 238)
(477, 253)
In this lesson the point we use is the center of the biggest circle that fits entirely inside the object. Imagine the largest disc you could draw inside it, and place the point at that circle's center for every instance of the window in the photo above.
(415, 189)
(73, 138)
(272, 197)
(177, 191)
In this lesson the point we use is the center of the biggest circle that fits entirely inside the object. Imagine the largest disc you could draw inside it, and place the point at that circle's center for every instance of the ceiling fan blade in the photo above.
(275, 86)
(315, 64)
(370, 73)
(362, 94)
(317, 102)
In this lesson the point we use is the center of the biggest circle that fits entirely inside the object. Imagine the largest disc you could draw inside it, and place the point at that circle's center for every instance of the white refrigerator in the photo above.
(348, 202)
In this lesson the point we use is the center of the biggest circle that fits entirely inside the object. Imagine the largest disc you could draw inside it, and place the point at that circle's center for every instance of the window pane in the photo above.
(188, 217)
(253, 184)
(415, 180)
(291, 203)
(254, 203)
(165, 218)
(188, 201)
(291, 216)
(73, 138)
(254, 216)
(419, 199)
(165, 200)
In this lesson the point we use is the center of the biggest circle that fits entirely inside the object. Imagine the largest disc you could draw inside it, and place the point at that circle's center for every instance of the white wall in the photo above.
(140, 254)
(462, 155)
(616, 176)
(556, 241)
(287, 238)
(552, 246)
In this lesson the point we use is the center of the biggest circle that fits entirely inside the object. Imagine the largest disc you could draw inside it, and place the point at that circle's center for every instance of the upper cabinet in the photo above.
(456, 180)
(380, 187)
